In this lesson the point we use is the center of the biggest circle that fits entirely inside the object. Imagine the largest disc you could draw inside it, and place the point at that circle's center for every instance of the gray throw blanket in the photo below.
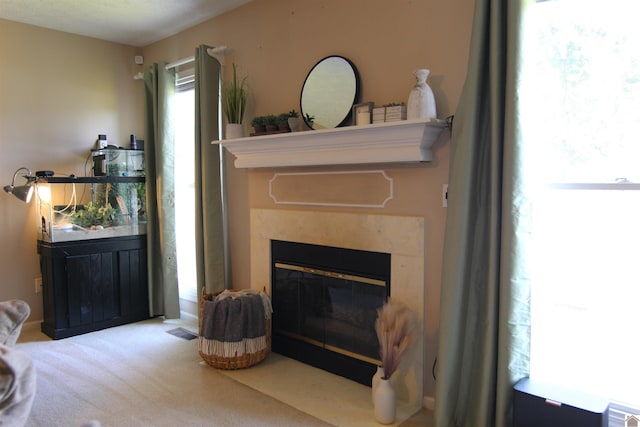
(234, 324)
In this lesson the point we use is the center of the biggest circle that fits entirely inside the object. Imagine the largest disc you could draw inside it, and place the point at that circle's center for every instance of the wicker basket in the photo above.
(236, 362)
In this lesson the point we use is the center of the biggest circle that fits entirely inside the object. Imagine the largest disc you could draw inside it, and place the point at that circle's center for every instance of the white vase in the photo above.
(375, 381)
(384, 402)
(422, 103)
(234, 130)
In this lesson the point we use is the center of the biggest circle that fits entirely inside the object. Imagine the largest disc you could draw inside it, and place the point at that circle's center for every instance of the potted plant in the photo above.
(234, 98)
(271, 122)
(283, 122)
(309, 120)
(259, 124)
(293, 120)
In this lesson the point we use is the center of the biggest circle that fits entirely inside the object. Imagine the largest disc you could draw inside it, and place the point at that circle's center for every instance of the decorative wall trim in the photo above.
(356, 189)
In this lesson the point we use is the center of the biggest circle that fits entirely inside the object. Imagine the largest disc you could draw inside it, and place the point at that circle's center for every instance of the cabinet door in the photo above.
(92, 295)
(134, 293)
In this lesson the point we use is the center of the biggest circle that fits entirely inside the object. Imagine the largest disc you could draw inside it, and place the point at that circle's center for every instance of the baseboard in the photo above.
(429, 403)
(34, 325)
(189, 308)
(189, 316)
(189, 294)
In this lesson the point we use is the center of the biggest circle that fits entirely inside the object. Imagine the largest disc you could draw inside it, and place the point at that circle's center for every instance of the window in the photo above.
(184, 119)
(581, 107)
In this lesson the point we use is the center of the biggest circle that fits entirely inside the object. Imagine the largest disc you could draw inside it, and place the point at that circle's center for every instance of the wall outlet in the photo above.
(38, 285)
(445, 195)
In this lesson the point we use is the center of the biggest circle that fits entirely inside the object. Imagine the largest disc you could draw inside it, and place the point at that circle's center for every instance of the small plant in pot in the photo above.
(293, 120)
(271, 122)
(259, 124)
(234, 98)
(283, 122)
(309, 120)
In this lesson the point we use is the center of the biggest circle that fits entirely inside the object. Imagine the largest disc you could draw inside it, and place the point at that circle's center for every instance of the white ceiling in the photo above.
(130, 22)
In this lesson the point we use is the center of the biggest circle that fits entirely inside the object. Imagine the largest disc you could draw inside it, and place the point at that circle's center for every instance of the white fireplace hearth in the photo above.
(401, 236)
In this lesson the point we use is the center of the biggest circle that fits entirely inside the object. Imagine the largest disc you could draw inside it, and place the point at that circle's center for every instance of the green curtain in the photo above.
(210, 234)
(484, 309)
(159, 85)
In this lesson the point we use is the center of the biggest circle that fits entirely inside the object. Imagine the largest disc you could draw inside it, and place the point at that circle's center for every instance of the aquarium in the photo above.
(90, 208)
(118, 162)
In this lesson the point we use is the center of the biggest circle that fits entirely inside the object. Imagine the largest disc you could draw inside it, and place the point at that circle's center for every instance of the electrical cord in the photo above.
(449, 120)
(72, 201)
(86, 161)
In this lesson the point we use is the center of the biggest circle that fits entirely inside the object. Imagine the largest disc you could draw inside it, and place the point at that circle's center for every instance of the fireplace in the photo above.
(402, 237)
(325, 302)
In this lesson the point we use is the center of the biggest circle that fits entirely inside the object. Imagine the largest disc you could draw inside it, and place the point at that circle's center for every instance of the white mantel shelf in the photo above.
(395, 142)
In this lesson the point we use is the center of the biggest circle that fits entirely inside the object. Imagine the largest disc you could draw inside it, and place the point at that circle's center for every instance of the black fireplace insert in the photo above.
(325, 302)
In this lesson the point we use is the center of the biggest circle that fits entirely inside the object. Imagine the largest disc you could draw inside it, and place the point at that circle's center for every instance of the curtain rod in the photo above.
(217, 52)
(179, 62)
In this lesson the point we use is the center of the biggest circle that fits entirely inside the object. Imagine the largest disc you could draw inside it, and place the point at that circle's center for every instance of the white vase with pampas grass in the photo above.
(375, 381)
(384, 402)
(396, 329)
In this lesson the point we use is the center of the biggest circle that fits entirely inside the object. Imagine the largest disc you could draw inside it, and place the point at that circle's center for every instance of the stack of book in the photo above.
(395, 113)
(390, 113)
(378, 115)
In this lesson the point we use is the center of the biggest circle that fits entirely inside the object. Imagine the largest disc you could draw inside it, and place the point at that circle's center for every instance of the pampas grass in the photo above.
(396, 330)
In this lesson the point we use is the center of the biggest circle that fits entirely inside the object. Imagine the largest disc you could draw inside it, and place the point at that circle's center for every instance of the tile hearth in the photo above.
(331, 398)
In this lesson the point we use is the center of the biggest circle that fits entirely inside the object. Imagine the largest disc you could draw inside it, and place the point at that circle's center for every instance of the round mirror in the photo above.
(329, 91)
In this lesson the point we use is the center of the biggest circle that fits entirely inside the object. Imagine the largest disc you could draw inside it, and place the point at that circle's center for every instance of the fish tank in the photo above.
(117, 162)
(97, 207)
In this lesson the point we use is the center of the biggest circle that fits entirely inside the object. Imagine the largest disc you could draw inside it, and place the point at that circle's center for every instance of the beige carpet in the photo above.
(139, 375)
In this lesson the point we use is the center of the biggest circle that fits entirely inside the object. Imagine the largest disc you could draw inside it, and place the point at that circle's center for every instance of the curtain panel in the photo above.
(159, 85)
(210, 226)
(484, 308)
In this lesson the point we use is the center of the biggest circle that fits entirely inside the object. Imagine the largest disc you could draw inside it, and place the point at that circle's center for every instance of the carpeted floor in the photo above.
(183, 333)
(147, 374)
(138, 375)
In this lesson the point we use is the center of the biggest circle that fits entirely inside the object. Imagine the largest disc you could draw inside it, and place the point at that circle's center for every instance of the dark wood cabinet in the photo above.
(90, 285)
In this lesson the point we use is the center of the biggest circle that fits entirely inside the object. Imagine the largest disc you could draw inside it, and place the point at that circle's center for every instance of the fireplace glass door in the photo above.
(330, 310)
(325, 306)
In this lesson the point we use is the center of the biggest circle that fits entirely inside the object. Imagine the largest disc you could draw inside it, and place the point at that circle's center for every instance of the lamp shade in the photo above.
(22, 192)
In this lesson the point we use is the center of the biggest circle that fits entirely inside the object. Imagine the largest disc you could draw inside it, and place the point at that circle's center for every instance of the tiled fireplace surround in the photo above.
(402, 237)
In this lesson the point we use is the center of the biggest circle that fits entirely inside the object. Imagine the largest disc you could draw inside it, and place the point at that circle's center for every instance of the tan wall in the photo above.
(57, 93)
(276, 42)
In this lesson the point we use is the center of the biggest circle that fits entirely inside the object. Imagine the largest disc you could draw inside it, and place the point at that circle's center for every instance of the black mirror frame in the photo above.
(348, 117)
